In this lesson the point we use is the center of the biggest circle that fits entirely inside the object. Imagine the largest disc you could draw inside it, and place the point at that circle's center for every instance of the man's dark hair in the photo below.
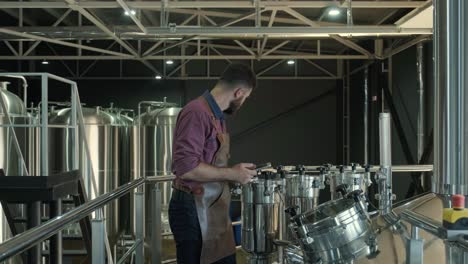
(238, 74)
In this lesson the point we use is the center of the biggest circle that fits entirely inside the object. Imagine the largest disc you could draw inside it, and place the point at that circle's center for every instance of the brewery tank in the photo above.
(14, 161)
(101, 171)
(125, 144)
(157, 125)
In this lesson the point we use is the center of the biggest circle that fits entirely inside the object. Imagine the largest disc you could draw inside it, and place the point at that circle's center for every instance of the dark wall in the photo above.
(405, 96)
(284, 121)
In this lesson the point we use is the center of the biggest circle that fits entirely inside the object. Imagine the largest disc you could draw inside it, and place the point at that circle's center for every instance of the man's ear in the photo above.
(238, 93)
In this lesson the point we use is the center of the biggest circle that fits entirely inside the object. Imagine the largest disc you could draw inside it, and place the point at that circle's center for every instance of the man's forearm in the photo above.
(208, 173)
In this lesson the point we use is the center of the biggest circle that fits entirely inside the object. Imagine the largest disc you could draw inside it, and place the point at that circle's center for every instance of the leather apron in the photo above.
(213, 205)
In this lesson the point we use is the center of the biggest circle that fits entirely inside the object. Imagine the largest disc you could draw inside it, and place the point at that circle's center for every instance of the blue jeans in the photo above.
(184, 224)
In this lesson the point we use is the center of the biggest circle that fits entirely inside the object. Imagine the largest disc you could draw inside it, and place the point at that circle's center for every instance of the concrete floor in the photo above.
(169, 252)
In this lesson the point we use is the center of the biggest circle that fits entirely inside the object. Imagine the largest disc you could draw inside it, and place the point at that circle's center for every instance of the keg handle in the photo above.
(342, 189)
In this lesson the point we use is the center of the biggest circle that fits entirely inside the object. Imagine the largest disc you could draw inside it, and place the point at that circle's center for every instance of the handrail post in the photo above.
(140, 221)
(156, 239)
(97, 225)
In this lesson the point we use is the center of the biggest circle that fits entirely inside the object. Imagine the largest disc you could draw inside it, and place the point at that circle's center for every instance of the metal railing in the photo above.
(31, 237)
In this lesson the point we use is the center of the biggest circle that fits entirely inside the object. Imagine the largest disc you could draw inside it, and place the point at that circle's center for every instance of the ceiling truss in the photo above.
(217, 30)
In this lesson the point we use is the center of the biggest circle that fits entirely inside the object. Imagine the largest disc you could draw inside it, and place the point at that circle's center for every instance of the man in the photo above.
(199, 206)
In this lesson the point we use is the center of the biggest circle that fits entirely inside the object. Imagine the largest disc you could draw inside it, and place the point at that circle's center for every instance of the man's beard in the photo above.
(234, 106)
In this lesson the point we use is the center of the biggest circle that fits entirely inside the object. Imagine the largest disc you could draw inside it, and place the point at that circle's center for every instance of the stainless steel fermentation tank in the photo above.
(301, 192)
(105, 133)
(154, 132)
(338, 231)
(18, 151)
(349, 180)
(260, 211)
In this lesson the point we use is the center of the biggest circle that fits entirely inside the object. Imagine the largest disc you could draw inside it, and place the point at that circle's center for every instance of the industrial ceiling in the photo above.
(267, 33)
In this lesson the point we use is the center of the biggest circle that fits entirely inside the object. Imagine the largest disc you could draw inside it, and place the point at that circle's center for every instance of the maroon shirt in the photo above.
(195, 139)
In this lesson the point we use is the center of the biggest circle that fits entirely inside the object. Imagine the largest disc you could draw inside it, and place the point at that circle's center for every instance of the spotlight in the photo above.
(158, 77)
(291, 62)
(169, 62)
(133, 12)
(44, 62)
(334, 11)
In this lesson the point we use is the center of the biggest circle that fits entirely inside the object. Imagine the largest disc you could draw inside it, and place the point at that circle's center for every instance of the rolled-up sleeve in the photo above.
(189, 141)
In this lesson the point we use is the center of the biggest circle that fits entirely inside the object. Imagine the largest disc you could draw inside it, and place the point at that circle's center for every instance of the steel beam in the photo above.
(276, 47)
(74, 5)
(59, 20)
(127, 9)
(406, 45)
(191, 57)
(320, 68)
(245, 48)
(156, 5)
(237, 19)
(270, 67)
(185, 40)
(414, 13)
(59, 42)
(302, 18)
(10, 47)
(207, 18)
(219, 32)
(350, 44)
(203, 78)
(286, 32)
(219, 53)
(181, 65)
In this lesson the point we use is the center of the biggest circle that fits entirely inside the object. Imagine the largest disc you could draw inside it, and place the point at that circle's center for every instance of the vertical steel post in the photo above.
(415, 247)
(451, 97)
(98, 235)
(44, 123)
(74, 123)
(366, 115)
(156, 238)
(34, 219)
(421, 106)
(56, 245)
(140, 221)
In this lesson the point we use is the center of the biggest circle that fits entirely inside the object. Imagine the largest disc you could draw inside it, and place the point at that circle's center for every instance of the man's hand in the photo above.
(243, 172)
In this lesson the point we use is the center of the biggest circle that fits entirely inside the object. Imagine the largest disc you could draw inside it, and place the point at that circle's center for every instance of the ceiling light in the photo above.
(291, 62)
(169, 62)
(158, 77)
(334, 11)
(44, 62)
(133, 12)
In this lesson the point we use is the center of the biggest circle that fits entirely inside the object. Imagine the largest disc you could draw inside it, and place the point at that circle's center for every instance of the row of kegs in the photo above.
(109, 160)
(283, 205)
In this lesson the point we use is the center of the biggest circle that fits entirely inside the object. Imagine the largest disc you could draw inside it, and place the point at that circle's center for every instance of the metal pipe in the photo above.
(451, 98)
(156, 238)
(25, 86)
(421, 107)
(374, 168)
(98, 226)
(385, 196)
(366, 115)
(428, 224)
(129, 252)
(420, 69)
